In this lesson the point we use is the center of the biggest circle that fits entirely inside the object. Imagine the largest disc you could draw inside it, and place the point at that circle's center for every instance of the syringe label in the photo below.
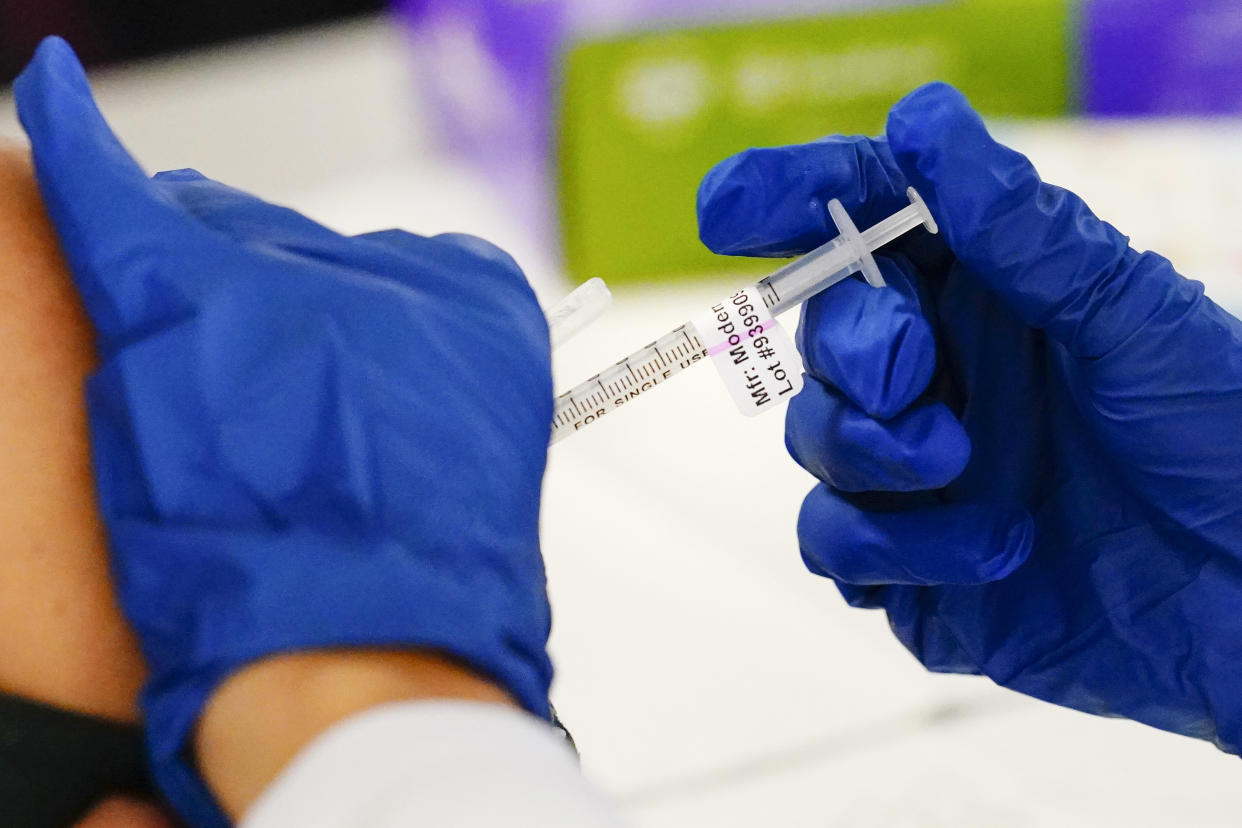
(726, 344)
(754, 356)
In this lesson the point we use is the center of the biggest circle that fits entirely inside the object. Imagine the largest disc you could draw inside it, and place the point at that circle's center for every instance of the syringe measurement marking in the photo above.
(766, 288)
(641, 374)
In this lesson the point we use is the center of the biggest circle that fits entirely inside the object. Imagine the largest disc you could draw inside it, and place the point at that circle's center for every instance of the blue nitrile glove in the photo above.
(1031, 445)
(301, 440)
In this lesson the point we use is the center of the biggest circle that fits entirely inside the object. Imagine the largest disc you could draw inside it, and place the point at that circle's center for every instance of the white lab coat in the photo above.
(434, 764)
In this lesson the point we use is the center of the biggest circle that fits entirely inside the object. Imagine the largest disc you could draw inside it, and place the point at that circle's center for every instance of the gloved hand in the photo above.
(1030, 446)
(301, 440)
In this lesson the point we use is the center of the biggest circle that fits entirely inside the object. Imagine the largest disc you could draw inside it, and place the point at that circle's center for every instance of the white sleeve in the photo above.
(444, 764)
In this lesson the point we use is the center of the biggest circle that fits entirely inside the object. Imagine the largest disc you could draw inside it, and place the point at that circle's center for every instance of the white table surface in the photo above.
(708, 678)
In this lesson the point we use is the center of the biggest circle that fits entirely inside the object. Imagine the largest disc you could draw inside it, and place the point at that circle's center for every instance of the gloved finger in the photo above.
(473, 257)
(922, 448)
(104, 207)
(773, 201)
(875, 346)
(472, 271)
(1037, 246)
(476, 255)
(959, 543)
(471, 251)
(400, 241)
(482, 248)
(459, 243)
(242, 216)
(253, 221)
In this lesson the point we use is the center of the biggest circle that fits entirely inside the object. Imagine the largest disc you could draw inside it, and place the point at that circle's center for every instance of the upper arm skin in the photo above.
(62, 639)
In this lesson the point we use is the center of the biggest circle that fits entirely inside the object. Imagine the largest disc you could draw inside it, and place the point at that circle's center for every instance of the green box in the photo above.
(643, 116)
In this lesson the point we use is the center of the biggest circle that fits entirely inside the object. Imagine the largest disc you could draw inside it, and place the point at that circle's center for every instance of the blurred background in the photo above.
(708, 678)
(115, 31)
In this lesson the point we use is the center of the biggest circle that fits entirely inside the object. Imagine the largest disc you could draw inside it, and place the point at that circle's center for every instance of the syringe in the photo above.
(682, 347)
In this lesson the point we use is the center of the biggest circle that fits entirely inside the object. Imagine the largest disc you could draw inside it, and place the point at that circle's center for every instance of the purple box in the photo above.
(488, 69)
(1162, 57)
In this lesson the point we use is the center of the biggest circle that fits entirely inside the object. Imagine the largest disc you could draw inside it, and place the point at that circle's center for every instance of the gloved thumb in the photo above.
(103, 206)
(1039, 247)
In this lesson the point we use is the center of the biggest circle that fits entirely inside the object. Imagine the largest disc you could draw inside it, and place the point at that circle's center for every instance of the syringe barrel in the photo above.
(801, 279)
(845, 255)
(626, 380)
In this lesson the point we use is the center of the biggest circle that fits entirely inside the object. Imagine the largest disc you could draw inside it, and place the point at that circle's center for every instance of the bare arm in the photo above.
(259, 719)
(62, 639)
